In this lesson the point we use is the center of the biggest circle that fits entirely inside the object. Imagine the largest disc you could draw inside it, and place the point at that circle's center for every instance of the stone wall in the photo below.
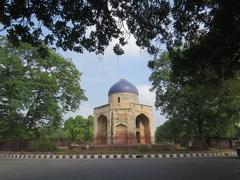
(122, 100)
(121, 114)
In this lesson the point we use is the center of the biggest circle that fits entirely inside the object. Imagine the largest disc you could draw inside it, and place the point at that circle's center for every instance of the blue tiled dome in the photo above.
(123, 86)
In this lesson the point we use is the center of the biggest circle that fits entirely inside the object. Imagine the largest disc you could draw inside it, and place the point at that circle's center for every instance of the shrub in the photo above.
(42, 146)
(238, 152)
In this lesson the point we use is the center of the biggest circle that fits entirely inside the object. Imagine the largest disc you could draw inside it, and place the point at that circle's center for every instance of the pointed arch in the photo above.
(143, 135)
(121, 134)
(101, 130)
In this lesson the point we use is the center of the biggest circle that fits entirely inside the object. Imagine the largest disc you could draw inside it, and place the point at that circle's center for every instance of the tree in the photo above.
(205, 108)
(237, 135)
(79, 128)
(52, 132)
(74, 128)
(79, 25)
(170, 131)
(89, 128)
(91, 25)
(35, 91)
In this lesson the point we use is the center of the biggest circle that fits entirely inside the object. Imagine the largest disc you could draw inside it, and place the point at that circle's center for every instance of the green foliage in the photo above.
(42, 146)
(89, 128)
(91, 25)
(35, 91)
(201, 108)
(237, 134)
(238, 152)
(80, 25)
(170, 131)
(52, 133)
(79, 128)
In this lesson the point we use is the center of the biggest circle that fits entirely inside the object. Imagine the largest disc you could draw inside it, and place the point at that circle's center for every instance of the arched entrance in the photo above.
(143, 135)
(101, 130)
(121, 134)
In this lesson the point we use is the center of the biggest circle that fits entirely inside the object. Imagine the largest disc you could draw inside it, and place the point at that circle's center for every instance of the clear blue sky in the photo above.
(101, 72)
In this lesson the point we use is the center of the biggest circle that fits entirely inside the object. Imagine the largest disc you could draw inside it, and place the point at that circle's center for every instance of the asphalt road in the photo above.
(121, 169)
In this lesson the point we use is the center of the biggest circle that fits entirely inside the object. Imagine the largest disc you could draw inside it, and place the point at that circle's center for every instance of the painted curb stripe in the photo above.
(115, 156)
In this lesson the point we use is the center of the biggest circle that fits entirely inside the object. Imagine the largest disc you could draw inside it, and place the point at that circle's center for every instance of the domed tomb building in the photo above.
(123, 120)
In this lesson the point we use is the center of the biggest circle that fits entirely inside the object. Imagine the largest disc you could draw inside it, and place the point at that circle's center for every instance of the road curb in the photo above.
(114, 156)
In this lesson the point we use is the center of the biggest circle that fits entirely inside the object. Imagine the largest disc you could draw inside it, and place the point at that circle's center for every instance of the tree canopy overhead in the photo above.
(83, 24)
(212, 26)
